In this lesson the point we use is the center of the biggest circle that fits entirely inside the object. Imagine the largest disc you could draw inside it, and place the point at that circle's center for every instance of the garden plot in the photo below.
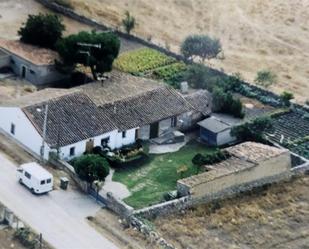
(292, 131)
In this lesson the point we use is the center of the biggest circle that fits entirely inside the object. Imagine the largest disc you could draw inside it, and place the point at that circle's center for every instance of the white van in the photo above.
(35, 177)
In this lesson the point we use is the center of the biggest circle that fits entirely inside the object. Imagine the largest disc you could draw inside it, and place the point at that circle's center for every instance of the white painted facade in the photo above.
(224, 137)
(24, 131)
(26, 134)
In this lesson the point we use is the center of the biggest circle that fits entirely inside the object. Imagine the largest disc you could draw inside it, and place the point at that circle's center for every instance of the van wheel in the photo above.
(32, 191)
(20, 181)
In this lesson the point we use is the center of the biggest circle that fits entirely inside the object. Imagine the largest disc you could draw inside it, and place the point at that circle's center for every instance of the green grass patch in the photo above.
(149, 182)
(142, 60)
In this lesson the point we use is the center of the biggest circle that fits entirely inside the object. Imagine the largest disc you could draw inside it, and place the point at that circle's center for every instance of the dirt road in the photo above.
(59, 215)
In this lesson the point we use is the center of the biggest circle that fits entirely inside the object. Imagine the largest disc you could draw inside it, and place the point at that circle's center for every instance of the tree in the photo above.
(96, 50)
(201, 46)
(42, 30)
(252, 131)
(225, 102)
(128, 22)
(286, 98)
(265, 78)
(91, 168)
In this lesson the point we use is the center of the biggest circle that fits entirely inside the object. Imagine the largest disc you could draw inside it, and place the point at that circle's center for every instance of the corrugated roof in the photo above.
(214, 125)
(71, 118)
(33, 54)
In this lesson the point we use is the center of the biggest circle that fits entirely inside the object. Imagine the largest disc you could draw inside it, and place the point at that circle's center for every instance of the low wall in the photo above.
(68, 168)
(118, 206)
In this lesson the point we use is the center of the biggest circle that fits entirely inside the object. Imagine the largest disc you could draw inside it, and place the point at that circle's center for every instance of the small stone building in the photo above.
(215, 132)
(31, 63)
(250, 164)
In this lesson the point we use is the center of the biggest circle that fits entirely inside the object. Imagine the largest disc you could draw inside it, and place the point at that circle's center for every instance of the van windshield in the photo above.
(43, 182)
(48, 180)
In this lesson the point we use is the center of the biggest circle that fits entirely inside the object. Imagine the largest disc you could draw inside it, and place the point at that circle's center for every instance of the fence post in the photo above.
(41, 239)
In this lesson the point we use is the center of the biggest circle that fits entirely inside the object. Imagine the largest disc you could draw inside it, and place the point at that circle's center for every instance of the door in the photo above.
(154, 130)
(23, 72)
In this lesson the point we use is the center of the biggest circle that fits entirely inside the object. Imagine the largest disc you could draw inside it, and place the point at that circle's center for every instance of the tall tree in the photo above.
(42, 30)
(96, 50)
(128, 22)
(201, 46)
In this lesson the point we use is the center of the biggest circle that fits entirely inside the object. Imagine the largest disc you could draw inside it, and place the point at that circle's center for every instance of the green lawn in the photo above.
(149, 182)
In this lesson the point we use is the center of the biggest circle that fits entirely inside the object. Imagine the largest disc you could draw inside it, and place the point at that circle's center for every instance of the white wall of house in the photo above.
(36, 74)
(128, 139)
(24, 131)
(225, 137)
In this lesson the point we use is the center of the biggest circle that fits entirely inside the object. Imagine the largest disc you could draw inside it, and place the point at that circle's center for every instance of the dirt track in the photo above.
(255, 34)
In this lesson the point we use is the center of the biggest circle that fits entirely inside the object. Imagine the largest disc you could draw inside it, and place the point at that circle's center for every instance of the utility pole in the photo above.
(42, 151)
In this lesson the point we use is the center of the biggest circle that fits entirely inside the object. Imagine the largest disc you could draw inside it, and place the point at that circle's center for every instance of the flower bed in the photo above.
(142, 60)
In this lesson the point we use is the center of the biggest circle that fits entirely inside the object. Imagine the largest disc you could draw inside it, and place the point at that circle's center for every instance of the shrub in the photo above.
(42, 30)
(91, 168)
(26, 237)
(252, 131)
(216, 157)
(128, 22)
(265, 78)
(286, 97)
(142, 60)
(226, 103)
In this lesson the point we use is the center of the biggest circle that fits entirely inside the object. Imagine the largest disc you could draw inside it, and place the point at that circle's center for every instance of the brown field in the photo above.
(274, 218)
(256, 34)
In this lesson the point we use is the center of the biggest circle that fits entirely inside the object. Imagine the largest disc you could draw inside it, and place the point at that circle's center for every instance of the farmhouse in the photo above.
(79, 118)
(31, 63)
(250, 164)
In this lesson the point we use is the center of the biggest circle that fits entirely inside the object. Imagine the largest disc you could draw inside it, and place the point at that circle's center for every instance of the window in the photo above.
(31, 71)
(43, 182)
(104, 141)
(12, 61)
(13, 129)
(174, 122)
(48, 180)
(72, 151)
(27, 175)
(124, 134)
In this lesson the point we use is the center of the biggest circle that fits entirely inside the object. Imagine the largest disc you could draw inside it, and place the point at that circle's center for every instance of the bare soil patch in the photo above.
(7, 240)
(276, 217)
(255, 34)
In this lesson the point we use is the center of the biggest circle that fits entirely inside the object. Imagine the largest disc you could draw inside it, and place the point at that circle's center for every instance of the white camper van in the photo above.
(35, 177)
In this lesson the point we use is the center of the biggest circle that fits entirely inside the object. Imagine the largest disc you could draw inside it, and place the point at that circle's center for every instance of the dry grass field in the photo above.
(256, 34)
(274, 218)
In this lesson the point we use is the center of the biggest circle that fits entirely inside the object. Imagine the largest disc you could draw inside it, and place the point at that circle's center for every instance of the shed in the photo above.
(215, 132)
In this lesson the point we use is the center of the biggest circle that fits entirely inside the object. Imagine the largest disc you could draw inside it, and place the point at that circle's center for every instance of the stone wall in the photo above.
(118, 206)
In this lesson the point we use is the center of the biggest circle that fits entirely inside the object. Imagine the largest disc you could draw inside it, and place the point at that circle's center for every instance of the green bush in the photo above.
(142, 60)
(42, 30)
(26, 237)
(216, 157)
(252, 131)
(91, 168)
(225, 102)
(286, 98)
(265, 78)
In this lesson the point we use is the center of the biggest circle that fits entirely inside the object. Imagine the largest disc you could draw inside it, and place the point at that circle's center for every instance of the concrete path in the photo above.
(118, 189)
(59, 215)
